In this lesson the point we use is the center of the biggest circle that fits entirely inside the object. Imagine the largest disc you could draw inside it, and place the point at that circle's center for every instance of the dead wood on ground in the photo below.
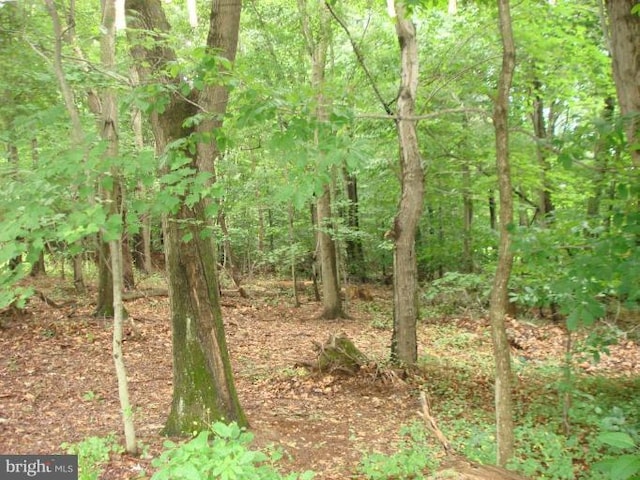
(456, 466)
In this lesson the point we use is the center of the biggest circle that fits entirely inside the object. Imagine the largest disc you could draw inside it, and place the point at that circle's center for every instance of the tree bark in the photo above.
(203, 387)
(104, 302)
(404, 346)
(499, 293)
(624, 28)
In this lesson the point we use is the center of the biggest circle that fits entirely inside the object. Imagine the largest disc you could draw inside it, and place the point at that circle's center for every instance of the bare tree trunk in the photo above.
(624, 28)
(404, 346)
(499, 293)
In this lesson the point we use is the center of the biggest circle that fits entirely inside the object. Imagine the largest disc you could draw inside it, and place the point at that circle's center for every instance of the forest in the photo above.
(321, 238)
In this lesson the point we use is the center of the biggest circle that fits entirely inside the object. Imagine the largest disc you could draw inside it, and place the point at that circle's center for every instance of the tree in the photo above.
(624, 21)
(499, 292)
(203, 387)
(317, 46)
(109, 133)
(404, 346)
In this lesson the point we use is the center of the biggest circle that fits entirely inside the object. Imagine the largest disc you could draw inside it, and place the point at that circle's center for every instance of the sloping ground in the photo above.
(57, 382)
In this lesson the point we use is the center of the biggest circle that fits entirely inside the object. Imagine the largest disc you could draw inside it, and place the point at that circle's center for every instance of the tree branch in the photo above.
(360, 58)
(427, 116)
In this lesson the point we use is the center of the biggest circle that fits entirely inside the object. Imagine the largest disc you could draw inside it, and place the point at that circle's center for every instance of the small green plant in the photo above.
(414, 457)
(620, 465)
(222, 452)
(542, 453)
(93, 453)
(90, 396)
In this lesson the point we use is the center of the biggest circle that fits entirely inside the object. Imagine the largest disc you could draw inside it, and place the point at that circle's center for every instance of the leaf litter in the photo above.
(57, 382)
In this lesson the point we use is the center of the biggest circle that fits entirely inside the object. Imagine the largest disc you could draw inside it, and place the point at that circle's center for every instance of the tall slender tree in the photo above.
(317, 46)
(499, 292)
(404, 346)
(109, 133)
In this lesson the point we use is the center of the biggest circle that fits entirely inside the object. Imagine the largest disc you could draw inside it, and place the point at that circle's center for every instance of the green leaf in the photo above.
(617, 439)
(625, 466)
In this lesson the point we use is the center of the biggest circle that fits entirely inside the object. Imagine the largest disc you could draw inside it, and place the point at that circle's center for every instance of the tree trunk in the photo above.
(128, 277)
(77, 132)
(541, 131)
(355, 253)
(38, 267)
(292, 239)
(492, 211)
(331, 300)
(624, 28)
(141, 242)
(203, 387)
(78, 274)
(104, 302)
(499, 293)
(600, 156)
(404, 346)
(109, 133)
(317, 48)
(228, 252)
(467, 221)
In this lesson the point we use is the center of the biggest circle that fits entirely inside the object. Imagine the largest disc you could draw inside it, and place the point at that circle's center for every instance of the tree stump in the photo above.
(339, 353)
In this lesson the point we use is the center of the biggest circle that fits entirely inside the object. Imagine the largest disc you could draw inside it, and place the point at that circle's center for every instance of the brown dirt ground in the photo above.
(57, 381)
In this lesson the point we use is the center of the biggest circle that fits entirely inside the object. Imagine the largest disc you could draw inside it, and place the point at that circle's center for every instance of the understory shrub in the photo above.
(413, 458)
(93, 453)
(457, 293)
(222, 452)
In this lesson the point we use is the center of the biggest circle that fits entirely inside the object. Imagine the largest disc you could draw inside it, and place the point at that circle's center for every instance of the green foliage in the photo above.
(542, 453)
(621, 442)
(457, 293)
(413, 459)
(219, 453)
(93, 453)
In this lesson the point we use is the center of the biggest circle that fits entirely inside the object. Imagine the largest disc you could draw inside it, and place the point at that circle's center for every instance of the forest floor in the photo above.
(57, 381)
